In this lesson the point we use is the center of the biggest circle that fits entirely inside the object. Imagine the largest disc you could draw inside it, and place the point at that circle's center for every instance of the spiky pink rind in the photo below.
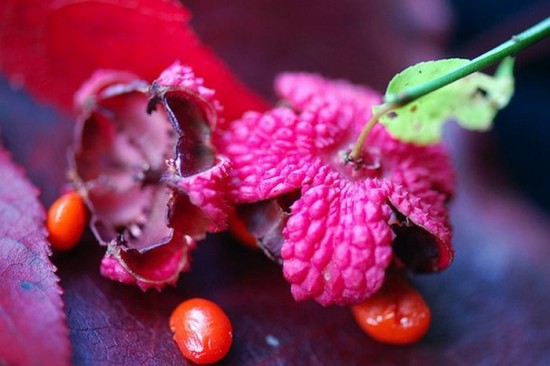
(419, 169)
(182, 78)
(338, 240)
(338, 237)
(350, 106)
(430, 214)
(206, 190)
(157, 180)
(112, 269)
(206, 187)
(268, 153)
(299, 89)
(157, 276)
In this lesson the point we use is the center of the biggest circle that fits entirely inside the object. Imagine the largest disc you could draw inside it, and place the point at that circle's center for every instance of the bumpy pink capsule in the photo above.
(336, 225)
(153, 181)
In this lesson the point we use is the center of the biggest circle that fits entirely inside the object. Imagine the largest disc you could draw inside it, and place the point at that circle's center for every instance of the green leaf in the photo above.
(472, 101)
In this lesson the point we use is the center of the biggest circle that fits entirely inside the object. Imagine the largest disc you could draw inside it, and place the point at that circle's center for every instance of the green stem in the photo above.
(509, 48)
(518, 42)
(356, 151)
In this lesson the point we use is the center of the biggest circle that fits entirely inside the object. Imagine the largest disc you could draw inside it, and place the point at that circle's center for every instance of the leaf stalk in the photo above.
(509, 48)
(515, 44)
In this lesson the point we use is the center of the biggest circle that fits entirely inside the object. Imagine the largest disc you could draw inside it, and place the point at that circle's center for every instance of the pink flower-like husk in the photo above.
(181, 77)
(337, 241)
(116, 269)
(193, 199)
(207, 191)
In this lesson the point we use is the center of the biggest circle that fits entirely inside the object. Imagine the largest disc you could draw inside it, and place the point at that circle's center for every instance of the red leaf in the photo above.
(51, 47)
(30, 298)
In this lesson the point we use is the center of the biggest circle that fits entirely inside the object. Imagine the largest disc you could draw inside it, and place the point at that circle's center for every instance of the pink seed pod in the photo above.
(144, 163)
(336, 225)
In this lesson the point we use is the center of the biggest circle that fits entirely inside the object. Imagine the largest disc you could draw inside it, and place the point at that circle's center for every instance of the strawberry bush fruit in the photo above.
(332, 223)
(335, 197)
(145, 166)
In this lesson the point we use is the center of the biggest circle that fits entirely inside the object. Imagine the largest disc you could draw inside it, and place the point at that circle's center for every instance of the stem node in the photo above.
(355, 153)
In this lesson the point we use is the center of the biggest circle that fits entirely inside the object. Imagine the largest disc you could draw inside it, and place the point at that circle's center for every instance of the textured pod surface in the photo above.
(343, 218)
(144, 163)
(337, 241)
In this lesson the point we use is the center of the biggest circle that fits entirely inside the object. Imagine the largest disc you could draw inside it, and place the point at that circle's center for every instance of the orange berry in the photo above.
(66, 220)
(397, 314)
(201, 330)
